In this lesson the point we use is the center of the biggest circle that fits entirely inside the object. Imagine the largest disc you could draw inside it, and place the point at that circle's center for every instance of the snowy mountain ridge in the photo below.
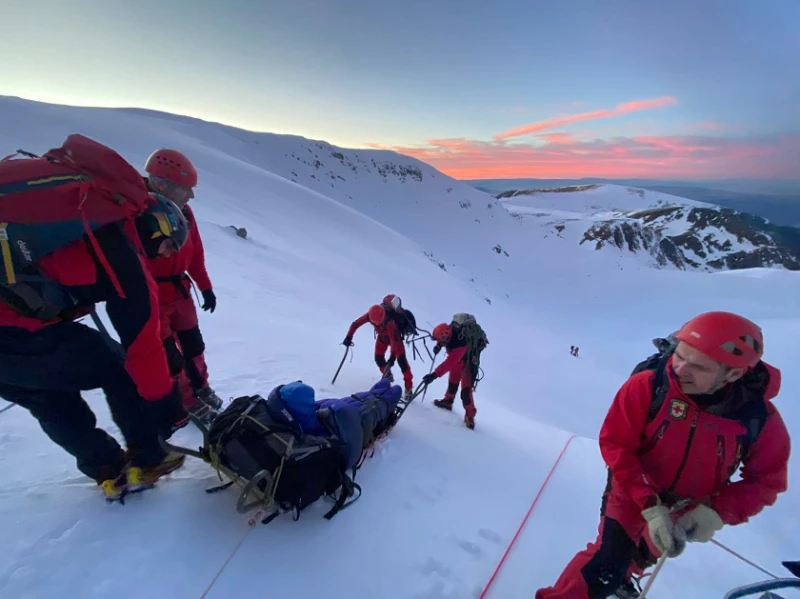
(663, 230)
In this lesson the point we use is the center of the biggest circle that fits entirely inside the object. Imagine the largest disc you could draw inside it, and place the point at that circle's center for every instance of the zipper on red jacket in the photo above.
(686, 452)
(718, 478)
(659, 434)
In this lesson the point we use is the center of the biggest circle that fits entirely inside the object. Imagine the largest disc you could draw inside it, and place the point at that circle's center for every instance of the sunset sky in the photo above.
(509, 88)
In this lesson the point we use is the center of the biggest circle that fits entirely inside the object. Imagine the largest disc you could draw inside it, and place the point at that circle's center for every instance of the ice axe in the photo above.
(344, 357)
(425, 390)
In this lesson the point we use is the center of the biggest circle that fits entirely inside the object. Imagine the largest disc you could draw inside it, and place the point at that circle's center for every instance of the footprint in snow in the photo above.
(490, 535)
(472, 548)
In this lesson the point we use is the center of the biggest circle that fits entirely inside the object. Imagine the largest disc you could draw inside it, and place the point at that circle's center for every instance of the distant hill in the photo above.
(665, 230)
(776, 201)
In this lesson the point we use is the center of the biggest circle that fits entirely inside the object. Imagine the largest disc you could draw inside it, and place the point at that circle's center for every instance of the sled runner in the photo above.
(287, 451)
(765, 588)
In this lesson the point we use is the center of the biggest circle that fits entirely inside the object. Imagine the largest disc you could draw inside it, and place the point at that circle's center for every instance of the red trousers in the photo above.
(621, 550)
(181, 335)
(461, 374)
(381, 345)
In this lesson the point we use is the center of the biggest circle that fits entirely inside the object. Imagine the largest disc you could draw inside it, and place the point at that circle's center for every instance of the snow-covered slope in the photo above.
(663, 230)
(441, 503)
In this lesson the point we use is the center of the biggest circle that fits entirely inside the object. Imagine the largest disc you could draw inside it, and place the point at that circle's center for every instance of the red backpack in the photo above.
(50, 201)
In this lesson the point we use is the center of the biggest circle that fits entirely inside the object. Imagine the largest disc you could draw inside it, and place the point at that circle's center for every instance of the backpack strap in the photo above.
(659, 386)
(349, 488)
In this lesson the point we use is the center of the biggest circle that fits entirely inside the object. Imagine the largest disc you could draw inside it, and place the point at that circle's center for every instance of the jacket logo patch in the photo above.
(678, 409)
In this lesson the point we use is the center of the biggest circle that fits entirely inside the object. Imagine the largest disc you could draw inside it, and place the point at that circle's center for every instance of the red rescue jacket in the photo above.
(388, 333)
(135, 317)
(170, 271)
(690, 452)
(456, 352)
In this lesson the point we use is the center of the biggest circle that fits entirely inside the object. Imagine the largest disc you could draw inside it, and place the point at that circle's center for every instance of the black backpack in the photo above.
(752, 419)
(405, 321)
(292, 469)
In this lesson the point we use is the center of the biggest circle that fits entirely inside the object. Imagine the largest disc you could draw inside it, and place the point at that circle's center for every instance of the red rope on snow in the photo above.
(525, 520)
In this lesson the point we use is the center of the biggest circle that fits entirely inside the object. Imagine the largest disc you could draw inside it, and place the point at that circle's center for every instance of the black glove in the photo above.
(436, 349)
(429, 378)
(348, 341)
(209, 300)
(167, 414)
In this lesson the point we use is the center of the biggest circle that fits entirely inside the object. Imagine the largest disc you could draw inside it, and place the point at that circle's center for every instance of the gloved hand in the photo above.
(700, 524)
(167, 414)
(436, 349)
(348, 341)
(209, 300)
(429, 378)
(668, 538)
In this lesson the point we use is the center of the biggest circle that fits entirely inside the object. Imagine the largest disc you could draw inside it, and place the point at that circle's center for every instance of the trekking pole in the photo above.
(424, 391)
(652, 577)
(344, 357)
(683, 503)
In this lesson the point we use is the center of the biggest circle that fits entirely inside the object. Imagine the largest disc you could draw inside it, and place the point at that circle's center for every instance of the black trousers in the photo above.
(46, 370)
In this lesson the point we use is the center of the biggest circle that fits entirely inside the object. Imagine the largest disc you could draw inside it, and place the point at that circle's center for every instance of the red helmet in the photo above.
(442, 333)
(725, 337)
(377, 315)
(172, 166)
(393, 301)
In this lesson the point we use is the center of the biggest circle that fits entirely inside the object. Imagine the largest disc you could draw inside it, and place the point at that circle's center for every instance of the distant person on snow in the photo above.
(384, 318)
(48, 358)
(173, 175)
(462, 363)
(678, 429)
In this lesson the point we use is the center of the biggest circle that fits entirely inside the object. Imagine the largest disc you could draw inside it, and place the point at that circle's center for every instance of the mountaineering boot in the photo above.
(627, 590)
(115, 488)
(209, 397)
(145, 477)
(469, 416)
(207, 406)
(445, 404)
(202, 412)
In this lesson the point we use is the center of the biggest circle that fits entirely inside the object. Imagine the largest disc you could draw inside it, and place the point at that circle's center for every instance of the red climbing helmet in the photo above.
(393, 301)
(442, 333)
(377, 315)
(728, 338)
(173, 166)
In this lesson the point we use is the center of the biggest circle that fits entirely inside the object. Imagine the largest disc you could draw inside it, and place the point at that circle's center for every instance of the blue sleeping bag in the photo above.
(359, 418)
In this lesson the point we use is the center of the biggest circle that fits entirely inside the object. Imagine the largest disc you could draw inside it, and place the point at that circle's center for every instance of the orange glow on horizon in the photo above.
(563, 155)
(638, 157)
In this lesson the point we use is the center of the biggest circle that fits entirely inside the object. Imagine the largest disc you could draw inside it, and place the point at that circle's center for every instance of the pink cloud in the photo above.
(562, 156)
(620, 109)
(558, 138)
